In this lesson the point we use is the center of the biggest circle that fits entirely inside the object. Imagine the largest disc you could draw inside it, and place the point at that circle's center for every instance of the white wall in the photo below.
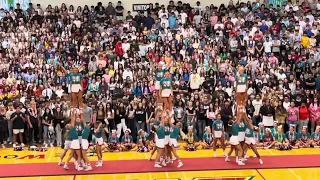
(127, 4)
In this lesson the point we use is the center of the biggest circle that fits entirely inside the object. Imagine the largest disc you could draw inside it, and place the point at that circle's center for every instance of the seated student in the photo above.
(127, 141)
(207, 139)
(304, 138)
(113, 142)
(191, 140)
(315, 138)
(274, 130)
(142, 142)
(292, 137)
(268, 139)
(261, 133)
(281, 142)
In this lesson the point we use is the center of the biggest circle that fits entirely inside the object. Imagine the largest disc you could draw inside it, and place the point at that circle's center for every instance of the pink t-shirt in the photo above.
(293, 113)
(314, 112)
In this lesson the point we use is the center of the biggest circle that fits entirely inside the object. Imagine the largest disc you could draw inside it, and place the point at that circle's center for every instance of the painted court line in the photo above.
(260, 174)
(292, 172)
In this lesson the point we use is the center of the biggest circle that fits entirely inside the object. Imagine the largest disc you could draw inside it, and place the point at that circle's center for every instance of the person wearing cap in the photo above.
(315, 138)
(292, 137)
(127, 141)
(304, 138)
(113, 142)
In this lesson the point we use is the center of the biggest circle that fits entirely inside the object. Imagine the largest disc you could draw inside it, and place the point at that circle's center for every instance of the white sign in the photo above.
(140, 7)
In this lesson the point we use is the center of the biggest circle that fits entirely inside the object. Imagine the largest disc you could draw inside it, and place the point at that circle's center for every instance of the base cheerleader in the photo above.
(250, 140)
(173, 143)
(304, 138)
(84, 147)
(160, 143)
(234, 141)
(218, 135)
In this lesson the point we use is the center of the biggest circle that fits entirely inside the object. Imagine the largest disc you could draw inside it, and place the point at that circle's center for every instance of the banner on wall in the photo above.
(140, 7)
(6, 4)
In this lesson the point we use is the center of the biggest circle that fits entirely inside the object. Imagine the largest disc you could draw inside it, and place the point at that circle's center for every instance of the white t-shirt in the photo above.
(267, 46)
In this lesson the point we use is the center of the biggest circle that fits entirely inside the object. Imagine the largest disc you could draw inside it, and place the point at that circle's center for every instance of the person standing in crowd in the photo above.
(33, 120)
(3, 126)
(18, 119)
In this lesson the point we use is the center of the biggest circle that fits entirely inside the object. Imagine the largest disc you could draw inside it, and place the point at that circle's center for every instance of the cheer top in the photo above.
(67, 136)
(86, 132)
(99, 133)
(242, 126)
(235, 129)
(127, 139)
(315, 136)
(159, 74)
(167, 130)
(292, 136)
(207, 137)
(166, 83)
(113, 139)
(249, 132)
(280, 137)
(160, 132)
(142, 138)
(304, 137)
(242, 79)
(274, 131)
(79, 127)
(75, 78)
(73, 134)
(261, 134)
(174, 132)
(217, 125)
(191, 138)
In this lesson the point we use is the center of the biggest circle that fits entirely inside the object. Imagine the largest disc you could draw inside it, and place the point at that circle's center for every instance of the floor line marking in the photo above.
(167, 175)
(271, 152)
(260, 174)
(184, 175)
(292, 172)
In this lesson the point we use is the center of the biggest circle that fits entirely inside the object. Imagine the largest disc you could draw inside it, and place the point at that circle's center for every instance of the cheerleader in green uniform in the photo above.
(75, 144)
(218, 135)
(85, 146)
(113, 142)
(292, 137)
(241, 87)
(234, 141)
(159, 74)
(143, 143)
(154, 126)
(207, 138)
(127, 141)
(98, 130)
(160, 142)
(274, 130)
(304, 138)
(250, 140)
(315, 136)
(166, 91)
(281, 142)
(174, 133)
(191, 140)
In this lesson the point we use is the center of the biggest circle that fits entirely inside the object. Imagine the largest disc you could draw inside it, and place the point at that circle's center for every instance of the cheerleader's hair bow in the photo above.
(113, 131)
(208, 127)
(190, 127)
(280, 127)
(305, 127)
(128, 130)
(275, 122)
(268, 129)
(318, 127)
(292, 125)
(140, 131)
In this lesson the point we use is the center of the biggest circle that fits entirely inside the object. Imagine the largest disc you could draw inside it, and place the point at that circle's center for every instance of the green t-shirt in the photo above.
(235, 129)
(73, 134)
(79, 128)
(159, 74)
(292, 136)
(160, 132)
(174, 132)
(242, 126)
(167, 130)
(86, 132)
(76, 78)
(99, 133)
(249, 132)
(242, 79)
(126, 139)
(166, 83)
(315, 136)
(217, 125)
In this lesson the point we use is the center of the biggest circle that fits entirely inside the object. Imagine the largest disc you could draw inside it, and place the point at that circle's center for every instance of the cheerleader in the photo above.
(268, 139)
(234, 141)
(160, 143)
(280, 139)
(292, 137)
(207, 137)
(315, 138)
(261, 133)
(242, 128)
(191, 140)
(127, 141)
(85, 146)
(153, 136)
(274, 130)
(218, 135)
(167, 115)
(173, 143)
(241, 87)
(143, 143)
(75, 87)
(250, 140)
(67, 144)
(98, 130)
(304, 138)
(159, 74)
(75, 143)
(226, 141)
(166, 91)
(113, 142)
